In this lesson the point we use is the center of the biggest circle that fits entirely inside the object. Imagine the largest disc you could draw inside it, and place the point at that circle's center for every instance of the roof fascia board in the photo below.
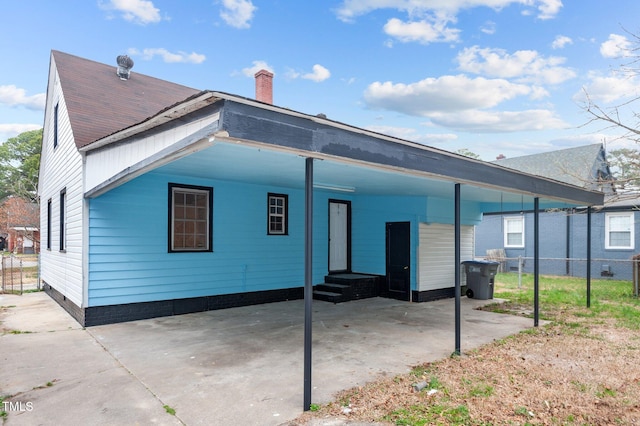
(202, 139)
(177, 111)
(335, 124)
(413, 157)
(396, 169)
(366, 148)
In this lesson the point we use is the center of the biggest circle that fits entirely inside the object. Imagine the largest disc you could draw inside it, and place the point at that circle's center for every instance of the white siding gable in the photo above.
(105, 164)
(61, 169)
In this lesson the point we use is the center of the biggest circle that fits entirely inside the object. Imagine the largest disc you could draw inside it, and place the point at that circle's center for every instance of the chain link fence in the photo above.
(606, 269)
(19, 273)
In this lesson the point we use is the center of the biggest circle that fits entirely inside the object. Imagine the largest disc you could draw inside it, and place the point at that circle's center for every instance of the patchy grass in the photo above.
(580, 368)
(19, 332)
(609, 298)
(3, 413)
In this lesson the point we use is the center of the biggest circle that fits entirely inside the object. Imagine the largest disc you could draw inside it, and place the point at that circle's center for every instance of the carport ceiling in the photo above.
(250, 164)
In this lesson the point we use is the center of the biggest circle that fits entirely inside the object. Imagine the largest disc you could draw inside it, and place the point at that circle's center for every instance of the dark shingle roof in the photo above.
(581, 166)
(99, 103)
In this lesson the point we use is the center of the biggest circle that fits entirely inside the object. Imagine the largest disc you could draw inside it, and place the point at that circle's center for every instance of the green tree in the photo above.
(20, 164)
(467, 153)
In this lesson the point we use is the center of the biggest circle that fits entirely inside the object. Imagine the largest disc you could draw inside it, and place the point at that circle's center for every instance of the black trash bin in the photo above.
(480, 278)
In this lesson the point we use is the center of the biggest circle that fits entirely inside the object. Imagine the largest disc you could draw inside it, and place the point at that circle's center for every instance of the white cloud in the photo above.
(138, 11)
(351, 9)
(318, 74)
(524, 65)
(549, 8)
(617, 46)
(8, 131)
(13, 96)
(444, 94)
(411, 134)
(609, 89)
(461, 103)
(169, 57)
(238, 13)
(255, 67)
(421, 31)
(430, 21)
(488, 27)
(499, 121)
(561, 41)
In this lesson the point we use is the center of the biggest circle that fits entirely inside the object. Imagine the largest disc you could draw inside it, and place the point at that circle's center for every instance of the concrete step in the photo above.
(328, 296)
(332, 287)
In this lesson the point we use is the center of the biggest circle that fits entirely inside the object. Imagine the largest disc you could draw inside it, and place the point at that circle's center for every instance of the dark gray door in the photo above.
(399, 260)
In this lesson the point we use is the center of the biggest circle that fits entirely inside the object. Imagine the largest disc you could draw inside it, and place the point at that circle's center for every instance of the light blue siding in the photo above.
(370, 215)
(128, 240)
(128, 253)
(442, 211)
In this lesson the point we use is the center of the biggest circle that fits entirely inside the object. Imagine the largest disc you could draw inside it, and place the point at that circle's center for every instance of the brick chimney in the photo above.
(264, 86)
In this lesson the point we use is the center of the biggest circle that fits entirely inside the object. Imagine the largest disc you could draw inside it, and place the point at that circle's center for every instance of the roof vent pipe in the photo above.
(125, 64)
(264, 86)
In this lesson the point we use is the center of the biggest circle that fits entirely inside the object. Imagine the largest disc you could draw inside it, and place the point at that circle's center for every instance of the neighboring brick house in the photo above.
(19, 226)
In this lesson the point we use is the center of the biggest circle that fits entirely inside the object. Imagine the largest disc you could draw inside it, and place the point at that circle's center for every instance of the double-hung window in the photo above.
(514, 232)
(277, 214)
(619, 230)
(190, 218)
(63, 220)
(55, 126)
(49, 224)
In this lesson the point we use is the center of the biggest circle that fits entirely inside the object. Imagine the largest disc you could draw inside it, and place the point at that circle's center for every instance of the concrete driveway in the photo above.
(232, 366)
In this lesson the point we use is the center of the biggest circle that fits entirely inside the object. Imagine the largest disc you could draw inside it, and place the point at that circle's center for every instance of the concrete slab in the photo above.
(233, 366)
(56, 372)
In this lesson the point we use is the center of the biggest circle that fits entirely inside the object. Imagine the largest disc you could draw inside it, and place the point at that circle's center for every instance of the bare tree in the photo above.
(624, 120)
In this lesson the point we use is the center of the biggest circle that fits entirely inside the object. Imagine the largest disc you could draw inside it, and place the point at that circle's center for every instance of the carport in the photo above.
(249, 142)
(113, 185)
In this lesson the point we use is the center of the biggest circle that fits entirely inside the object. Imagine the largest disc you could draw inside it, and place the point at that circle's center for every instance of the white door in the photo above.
(338, 236)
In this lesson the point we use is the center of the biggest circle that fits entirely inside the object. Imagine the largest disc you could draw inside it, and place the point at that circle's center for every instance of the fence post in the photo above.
(519, 271)
(636, 265)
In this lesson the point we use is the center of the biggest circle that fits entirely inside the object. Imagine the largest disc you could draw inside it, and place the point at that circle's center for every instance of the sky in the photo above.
(494, 77)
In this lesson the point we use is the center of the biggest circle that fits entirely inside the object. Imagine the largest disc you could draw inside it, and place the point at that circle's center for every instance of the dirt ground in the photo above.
(575, 371)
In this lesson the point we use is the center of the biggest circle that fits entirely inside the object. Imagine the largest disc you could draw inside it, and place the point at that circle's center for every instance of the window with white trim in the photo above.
(49, 224)
(277, 214)
(190, 218)
(63, 220)
(619, 230)
(514, 231)
(55, 126)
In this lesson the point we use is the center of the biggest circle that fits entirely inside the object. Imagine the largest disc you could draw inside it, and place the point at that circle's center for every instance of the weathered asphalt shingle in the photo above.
(580, 166)
(99, 103)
